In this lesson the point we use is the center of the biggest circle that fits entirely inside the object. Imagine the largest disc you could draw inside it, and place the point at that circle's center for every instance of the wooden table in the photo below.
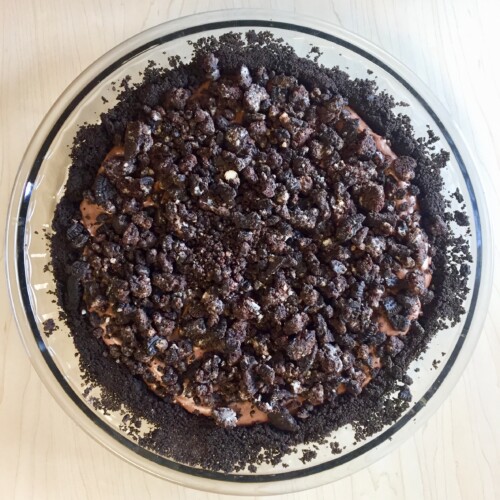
(45, 45)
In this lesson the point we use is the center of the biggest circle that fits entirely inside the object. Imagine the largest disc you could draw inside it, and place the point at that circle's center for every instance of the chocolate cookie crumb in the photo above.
(308, 455)
(49, 327)
(335, 448)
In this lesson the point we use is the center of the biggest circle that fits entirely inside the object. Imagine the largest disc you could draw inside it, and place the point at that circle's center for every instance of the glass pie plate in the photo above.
(40, 184)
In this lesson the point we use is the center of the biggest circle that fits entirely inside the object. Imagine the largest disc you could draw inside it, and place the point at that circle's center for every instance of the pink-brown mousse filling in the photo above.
(412, 206)
(90, 214)
(91, 211)
(247, 413)
(381, 142)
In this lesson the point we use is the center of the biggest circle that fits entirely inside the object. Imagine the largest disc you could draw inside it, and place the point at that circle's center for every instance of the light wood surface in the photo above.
(451, 45)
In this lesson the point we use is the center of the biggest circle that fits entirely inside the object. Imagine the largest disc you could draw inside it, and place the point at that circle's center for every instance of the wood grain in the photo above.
(452, 46)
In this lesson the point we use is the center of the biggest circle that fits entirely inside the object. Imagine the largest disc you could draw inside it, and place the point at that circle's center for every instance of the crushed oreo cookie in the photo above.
(49, 327)
(237, 238)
